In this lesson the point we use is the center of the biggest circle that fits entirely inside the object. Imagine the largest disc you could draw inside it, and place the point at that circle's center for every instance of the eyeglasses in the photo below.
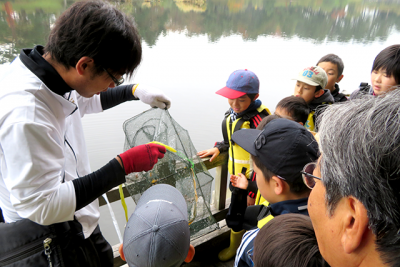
(116, 82)
(308, 178)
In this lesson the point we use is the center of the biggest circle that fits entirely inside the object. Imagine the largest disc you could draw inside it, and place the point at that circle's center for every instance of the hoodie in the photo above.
(316, 108)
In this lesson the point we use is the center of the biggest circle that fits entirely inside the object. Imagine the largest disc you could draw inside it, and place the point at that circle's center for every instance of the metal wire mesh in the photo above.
(182, 169)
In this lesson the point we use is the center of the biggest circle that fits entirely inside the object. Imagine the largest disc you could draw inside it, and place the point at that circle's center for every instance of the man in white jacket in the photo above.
(44, 167)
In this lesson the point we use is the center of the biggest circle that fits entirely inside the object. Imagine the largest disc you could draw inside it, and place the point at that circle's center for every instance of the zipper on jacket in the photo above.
(76, 160)
(47, 250)
(22, 252)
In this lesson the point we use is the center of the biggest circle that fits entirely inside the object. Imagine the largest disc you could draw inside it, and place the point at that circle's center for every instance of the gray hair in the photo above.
(360, 141)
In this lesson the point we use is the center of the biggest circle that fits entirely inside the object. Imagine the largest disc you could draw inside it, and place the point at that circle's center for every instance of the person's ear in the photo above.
(190, 254)
(257, 95)
(339, 78)
(355, 224)
(278, 185)
(319, 93)
(121, 252)
(84, 65)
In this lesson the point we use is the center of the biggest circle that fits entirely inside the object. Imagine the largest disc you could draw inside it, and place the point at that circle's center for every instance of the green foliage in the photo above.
(319, 20)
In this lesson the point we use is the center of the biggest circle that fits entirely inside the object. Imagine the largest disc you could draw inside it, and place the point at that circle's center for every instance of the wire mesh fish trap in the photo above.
(180, 167)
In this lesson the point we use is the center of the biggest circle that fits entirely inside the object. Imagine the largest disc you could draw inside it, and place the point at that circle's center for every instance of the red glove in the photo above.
(142, 158)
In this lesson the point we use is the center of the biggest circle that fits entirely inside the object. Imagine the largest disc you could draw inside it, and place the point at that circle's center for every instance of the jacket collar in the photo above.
(33, 60)
(290, 206)
(326, 98)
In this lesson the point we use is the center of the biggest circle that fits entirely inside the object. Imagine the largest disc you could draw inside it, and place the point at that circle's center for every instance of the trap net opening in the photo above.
(180, 167)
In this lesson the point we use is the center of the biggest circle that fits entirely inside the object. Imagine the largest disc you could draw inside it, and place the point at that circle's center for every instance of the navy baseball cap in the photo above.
(240, 82)
(283, 146)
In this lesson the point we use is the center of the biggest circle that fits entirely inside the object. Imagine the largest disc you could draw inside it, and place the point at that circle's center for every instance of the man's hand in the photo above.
(152, 96)
(213, 152)
(239, 181)
(142, 158)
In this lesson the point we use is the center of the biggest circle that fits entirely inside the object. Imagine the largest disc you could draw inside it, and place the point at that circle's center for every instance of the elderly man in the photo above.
(354, 204)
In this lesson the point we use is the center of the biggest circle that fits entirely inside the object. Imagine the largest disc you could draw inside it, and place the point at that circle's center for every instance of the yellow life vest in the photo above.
(310, 125)
(262, 201)
(238, 157)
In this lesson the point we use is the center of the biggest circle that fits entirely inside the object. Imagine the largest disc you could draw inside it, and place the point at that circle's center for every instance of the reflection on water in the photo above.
(24, 23)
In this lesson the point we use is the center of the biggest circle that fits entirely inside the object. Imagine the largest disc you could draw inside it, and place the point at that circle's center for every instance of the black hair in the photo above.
(292, 233)
(297, 186)
(97, 30)
(334, 59)
(389, 60)
(251, 96)
(317, 88)
(266, 120)
(297, 108)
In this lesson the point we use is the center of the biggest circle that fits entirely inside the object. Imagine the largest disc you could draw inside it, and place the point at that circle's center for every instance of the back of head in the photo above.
(287, 240)
(296, 107)
(97, 30)
(389, 60)
(334, 59)
(157, 233)
(360, 143)
(266, 120)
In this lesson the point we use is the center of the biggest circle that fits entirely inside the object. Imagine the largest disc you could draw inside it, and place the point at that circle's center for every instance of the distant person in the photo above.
(246, 112)
(310, 86)
(385, 73)
(287, 240)
(46, 181)
(333, 66)
(279, 152)
(355, 202)
(157, 233)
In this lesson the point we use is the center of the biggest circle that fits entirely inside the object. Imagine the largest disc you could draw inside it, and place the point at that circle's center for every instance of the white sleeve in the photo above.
(32, 170)
(89, 105)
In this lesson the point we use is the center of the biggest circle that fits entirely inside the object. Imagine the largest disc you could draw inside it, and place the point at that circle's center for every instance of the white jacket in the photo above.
(42, 149)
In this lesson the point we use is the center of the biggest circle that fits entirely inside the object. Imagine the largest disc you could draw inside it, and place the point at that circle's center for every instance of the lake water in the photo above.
(191, 47)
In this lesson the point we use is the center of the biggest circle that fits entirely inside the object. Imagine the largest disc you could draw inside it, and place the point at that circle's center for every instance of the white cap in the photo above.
(313, 75)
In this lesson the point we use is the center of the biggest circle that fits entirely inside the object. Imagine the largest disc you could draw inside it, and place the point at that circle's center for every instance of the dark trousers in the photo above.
(103, 248)
(1, 216)
(237, 208)
(93, 251)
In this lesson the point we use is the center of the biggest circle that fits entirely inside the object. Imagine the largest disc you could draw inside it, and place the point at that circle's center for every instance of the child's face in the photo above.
(240, 104)
(381, 82)
(306, 91)
(332, 72)
(266, 188)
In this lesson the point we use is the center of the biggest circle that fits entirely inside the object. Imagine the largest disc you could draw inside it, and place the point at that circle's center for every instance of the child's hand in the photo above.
(213, 152)
(250, 201)
(239, 181)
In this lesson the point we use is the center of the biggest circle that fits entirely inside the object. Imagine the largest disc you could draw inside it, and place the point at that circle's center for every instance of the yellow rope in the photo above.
(121, 194)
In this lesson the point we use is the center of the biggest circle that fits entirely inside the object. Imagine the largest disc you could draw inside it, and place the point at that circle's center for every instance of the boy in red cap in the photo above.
(246, 112)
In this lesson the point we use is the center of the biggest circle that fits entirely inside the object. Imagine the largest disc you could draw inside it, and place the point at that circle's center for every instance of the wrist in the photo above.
(135, 86)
